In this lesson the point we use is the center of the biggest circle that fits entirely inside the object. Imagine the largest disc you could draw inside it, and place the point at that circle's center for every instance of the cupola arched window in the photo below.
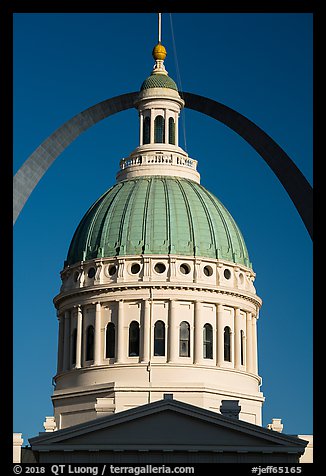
(73, 346)
(208, 341)
(146, 130)
(159, 129)
(184, 339)
(159, 338)
(242, 337)
(90, 343)
(171, 131)
(227, 344)
(133, 339)
(110, 341)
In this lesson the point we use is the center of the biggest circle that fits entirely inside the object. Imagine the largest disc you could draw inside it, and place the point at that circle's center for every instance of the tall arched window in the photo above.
(133, 339)
(90, 343)
(208, 341)
(184, 339)
(242, 337)
(159, 338)
(227, 344)
(159, 129)
(171, 131)
(146, 130)
(73, 346)
(110, 341)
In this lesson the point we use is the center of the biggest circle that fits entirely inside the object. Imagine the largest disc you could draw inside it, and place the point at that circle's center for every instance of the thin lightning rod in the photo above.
(159, 27)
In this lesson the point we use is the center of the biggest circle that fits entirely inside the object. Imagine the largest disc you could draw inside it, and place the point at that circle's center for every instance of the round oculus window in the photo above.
(160, 268)
(135, 268)
(91, 272)
(208, 271)
(184, 268)
(112, 269)
(227, 273)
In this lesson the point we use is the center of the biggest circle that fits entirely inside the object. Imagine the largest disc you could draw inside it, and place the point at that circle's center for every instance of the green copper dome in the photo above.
(158, 81)
(158, 215)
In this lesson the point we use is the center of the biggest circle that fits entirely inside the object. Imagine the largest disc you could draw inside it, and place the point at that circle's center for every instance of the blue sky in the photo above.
(258, 64)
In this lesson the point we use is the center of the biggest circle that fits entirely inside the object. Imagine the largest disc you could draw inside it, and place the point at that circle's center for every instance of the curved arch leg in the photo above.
(294, 182)
(33, 169)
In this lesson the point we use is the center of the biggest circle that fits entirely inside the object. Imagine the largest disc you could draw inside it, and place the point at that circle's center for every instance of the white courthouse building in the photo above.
(157, 318)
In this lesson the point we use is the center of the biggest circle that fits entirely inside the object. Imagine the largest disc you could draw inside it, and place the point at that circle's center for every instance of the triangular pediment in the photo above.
(166, 424)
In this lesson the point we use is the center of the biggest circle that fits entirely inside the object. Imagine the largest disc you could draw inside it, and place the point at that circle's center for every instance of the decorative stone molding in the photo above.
(50, 424)
(70, 298)
(17, 444)
(276, 425)
(230, 408)
(208, 272)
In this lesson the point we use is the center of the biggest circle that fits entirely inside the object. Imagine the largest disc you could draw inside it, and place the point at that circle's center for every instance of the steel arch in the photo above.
(292, 179)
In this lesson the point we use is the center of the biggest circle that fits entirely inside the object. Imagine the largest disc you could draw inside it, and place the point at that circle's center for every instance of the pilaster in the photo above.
(173, 339)
(97, 343)
(79, 337)
(254, 345)
(146, 330)
(220, 336)
(66, 341)
(249, 342)
(60, 343)
(121, 351)
(237, 339)
(198, 340)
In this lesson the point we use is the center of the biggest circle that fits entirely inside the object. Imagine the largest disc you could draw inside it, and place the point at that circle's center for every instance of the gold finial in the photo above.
(159, 52)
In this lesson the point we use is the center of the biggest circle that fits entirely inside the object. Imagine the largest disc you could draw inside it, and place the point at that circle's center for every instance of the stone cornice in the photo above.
(113, 386)
(95, 292)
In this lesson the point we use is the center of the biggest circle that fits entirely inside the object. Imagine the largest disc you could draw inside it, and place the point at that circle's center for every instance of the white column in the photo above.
(79, 337)
(97, 340)
(237, 339)
(121, 351)
(141, 128)
(177, 129)
(173, 338)
(151, 140)
(146, 331)
(232, 347)
(60, 343)
(220, 336)
(249, 343)
(254, 345)
(244, 344)
(66, 341)
(166, 127)
(198, 341)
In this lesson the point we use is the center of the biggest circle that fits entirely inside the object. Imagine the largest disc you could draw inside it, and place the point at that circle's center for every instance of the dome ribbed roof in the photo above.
(158, 81)
(158, 215)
